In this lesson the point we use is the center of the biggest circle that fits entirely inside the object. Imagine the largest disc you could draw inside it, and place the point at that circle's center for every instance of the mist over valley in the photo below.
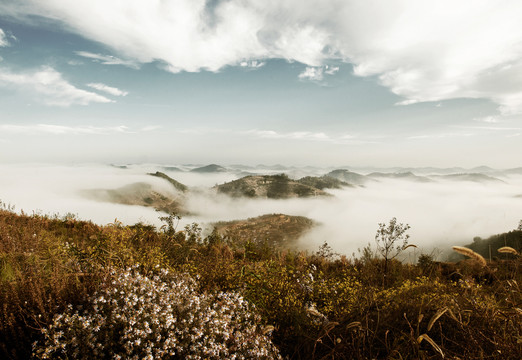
(343, 204)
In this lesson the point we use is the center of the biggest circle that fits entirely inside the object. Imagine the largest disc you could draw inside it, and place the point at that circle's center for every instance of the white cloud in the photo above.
(312, 73)
(488, 119)
(277, 135)
(493, 128)
(106, 59)
(108, 89)
(254, 64)
(316, 73)
(422, 50)
(331, 70)
(49, 87)
(308, 136)
(440, 136)
(298, 135)
(75, 62)
(63, 130)
(3, 39)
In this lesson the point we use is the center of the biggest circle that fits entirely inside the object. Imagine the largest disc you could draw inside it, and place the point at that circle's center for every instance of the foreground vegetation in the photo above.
(69, 286)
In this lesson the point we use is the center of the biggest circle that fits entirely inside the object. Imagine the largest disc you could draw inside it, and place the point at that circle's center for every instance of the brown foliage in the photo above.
(318, 306)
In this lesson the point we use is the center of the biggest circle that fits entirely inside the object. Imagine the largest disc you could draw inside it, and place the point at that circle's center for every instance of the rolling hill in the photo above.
(142, 194)
(276, 229)
(268, 186)
(400, 176)
(323, 182)
(212, 168)
(473, 177)
(349, 177)
(179, 186)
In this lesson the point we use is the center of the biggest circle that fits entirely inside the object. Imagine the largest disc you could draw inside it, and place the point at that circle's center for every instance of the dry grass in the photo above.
(508, 250)
(471, 254)
(48, 263)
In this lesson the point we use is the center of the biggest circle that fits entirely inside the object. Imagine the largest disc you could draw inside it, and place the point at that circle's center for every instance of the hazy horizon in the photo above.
(441, 213)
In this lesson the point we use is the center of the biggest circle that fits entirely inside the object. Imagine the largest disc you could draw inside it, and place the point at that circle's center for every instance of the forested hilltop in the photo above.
(73, 289)
(488, 247)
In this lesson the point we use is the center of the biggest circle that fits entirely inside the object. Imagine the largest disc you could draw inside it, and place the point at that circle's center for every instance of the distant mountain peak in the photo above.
(349, 176)
(212, 168)
(175, 183)
(400, 175)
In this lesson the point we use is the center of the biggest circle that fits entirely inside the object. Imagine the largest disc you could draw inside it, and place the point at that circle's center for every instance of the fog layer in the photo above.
(441, 213)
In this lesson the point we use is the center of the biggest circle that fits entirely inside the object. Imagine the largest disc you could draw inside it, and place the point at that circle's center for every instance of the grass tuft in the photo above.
(471, 254)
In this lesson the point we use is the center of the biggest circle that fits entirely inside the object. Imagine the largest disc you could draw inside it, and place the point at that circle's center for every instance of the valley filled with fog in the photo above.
(444, 207)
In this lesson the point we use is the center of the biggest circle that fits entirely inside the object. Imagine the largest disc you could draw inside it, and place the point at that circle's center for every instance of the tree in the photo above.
(519, 225)
(169, 227)
(391, 240)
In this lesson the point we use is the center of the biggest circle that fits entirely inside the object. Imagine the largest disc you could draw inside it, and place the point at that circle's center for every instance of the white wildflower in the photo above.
(157, 317)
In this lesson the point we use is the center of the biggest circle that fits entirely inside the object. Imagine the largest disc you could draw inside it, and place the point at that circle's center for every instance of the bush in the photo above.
(320, 306)
(155, 317)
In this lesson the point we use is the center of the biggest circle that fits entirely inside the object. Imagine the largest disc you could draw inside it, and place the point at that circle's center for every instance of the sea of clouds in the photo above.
(441, 213)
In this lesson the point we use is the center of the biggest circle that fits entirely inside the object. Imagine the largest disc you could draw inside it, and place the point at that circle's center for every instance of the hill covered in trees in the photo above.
(274, 230)
(323, 182)
(268, 186)
(177, 185)
(141, 194)
(488, 247)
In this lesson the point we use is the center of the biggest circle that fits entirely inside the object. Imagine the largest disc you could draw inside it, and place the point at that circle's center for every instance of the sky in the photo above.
(325, 83)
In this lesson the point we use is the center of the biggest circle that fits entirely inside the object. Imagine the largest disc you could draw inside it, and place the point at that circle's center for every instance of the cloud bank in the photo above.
(317, 73)
(108, 89)
(107, 59)
(3, 39)
(441, 214)
(339, 138)
(421, 50)
(62, 130)
(48, 86)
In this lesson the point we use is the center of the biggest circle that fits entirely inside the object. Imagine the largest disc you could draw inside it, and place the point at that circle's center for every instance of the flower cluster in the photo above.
(158, 316)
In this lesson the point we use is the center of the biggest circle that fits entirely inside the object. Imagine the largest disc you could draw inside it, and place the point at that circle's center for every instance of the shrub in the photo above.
(156, 316)
(391, 241)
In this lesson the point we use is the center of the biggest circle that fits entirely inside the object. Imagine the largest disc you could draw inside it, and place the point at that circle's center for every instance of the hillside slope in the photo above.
(179, 186)
(349, 177)
(323, 182)
(268, 186)
(276, 229)
(142, 194)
